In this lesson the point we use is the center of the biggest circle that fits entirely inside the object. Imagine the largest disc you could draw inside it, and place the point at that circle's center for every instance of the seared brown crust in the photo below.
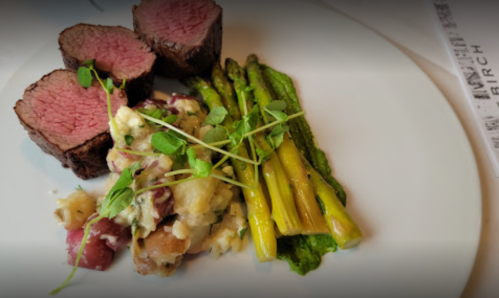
(87, 160)
(137, 89)
(178, 61)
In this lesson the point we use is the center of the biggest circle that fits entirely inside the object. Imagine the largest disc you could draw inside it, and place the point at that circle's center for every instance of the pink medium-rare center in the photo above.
(179, 21)
(117, 51)
(66, 113)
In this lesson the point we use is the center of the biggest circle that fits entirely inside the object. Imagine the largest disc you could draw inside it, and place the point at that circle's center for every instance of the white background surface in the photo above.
(414, 34)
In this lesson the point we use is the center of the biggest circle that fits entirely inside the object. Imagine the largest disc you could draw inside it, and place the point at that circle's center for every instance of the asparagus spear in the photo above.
(224, 88)
(283, 206)
(344, 230)
(259, 217)
(300, 130)
(308, 210)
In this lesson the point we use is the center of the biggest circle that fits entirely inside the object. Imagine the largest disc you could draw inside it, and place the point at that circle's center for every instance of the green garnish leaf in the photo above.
(120, 200)
(89, 63)
(129, 139)
(276, 105)
(79, 187)
(123, 85)
(158, 114)
(167, 142)
(120, 196)
(192, 114)
(235, 139)
(153, 113)
(276, 136)
(216, 134)
(252, 118)
(202, 168)
(84, 77)
(278, 115)
(275, 109)
(179, 162)
(109, 86)
(216, 116)
(191, 157)
(241, 233)
(263, 154)
(170, 119)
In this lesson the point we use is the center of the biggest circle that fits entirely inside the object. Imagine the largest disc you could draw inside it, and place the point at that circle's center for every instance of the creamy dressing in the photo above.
(208, 213)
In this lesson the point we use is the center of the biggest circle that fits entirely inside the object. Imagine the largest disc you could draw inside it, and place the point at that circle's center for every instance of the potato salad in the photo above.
(164, 222)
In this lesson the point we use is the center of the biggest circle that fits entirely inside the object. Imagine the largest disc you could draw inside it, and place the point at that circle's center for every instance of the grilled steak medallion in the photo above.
(70, 122)
(118, 53)
(185, 34)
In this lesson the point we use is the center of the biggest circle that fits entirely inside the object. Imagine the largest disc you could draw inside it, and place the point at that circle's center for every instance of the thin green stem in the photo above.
(180, 172)
(80, 253)
(232, 181)
(251, 141)
(137, 152)
(220, 162)
(262, 128)
(165, 185)
(196, 140)
(108, 95)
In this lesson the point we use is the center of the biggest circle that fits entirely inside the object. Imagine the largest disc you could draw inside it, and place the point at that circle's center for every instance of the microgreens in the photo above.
(159, 115)
(169, 143)
(276, 136)
(196, 140)
(275, 109)
(120, 195)
(123, 85)
(202, 169)
(264, 155)
(85, 79)
(118, 199)
(216, 116)
(216, 134)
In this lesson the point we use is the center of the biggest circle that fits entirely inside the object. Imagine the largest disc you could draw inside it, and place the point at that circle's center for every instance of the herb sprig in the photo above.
(118, 199)
(85, 79)
(175, 142)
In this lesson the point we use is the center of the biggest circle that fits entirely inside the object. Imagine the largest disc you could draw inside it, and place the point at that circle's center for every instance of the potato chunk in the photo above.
(74, 210)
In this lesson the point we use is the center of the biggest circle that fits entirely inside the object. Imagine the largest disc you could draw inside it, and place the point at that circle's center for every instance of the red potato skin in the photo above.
(105, 237)
(115, 236)
(163, 202)
(96, 254)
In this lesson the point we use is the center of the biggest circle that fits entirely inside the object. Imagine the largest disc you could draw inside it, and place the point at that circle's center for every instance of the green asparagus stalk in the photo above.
(224, 88)
(308, 210)
(259, 216)
(302, 135)
(283, 206)
(344, 230)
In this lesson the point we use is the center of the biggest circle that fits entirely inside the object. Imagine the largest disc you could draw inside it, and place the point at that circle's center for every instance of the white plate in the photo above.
(392, 140)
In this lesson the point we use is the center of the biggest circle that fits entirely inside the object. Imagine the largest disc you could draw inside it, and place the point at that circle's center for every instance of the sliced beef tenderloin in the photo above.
(118, 53)
(185, 34)
(70, 122)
